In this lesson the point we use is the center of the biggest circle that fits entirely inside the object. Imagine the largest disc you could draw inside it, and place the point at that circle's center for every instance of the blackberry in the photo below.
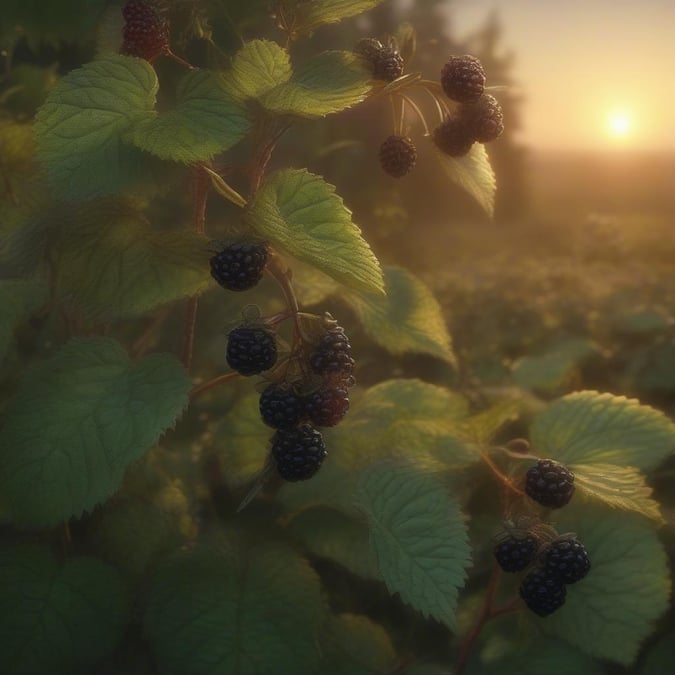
(484, 118)
(332, 357)
(281, 407)
(514, 555)
(463, 78)
(387, 65)
(542, 593)
(567, 559)
(251, 350)
(145, 33)
(398, 156)
(240, 266)
(453, 137)
(369, 48)
(298, 452)
(327, 406)
(550, 483)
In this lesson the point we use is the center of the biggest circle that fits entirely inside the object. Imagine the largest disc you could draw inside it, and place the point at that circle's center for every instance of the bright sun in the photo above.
(619, 124)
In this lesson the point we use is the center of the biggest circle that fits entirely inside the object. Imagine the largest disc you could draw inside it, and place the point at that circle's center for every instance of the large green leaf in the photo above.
(408, 319)
(205, 121)
(621, 487)
(80, 128)
(18, 299)
(258, 67)
(612, 610)
(473, 174)
(114, 264)
(328, 83)
(308, 16)
(418, 536)
(592, 428)
(300, 213)
(235, 610)
(57, 619)
(75, 423)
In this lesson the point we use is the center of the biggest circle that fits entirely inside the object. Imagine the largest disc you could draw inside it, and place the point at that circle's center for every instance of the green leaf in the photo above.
(57, 619)
(355, 645)
(328, 83)
(300, 213)
(97, 412)
(80, 128)
(621, 487)
(328, 533)
(418, 536)
(660, 657)
(309, 16)
(473, 174)
(407, 319)
(115, 265)
(237, 609)
(484, 426)
(258, 67)
(205, 121)
(612, 610)
(19, 299)
(592, 428)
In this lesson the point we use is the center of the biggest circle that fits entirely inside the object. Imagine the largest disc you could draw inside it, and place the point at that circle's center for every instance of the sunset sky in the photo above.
(596, 74)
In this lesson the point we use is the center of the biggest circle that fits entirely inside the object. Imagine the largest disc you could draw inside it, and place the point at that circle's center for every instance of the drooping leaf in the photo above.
(80, 128)
(592, 428)
(57, 619)
(407, 319)
(418, 536)
(473, 174)
(114, 264)
(355, 645)
(327, 83)
(258, 67)
(621, 487)
(301, 214)
(612, 610)
(97, 412)
(205, 121)
(19, 298)
(308, 16)
(234, 609)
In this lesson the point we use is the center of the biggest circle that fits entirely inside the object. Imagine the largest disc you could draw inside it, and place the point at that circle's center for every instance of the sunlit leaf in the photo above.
(308, 16)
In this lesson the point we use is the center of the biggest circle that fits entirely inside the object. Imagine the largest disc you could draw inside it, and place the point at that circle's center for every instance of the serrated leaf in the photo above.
(308, 16)
(592, 428)
(418, 536)
(327, 83)
(57, 619)
(79, 130)
(613, 609)
(205, 121)
(114, 264)
(19, 298)
(236, 609)
(621, 487)
(97, 412)
(329, 533)
(300, 213)
(355, 645)
(473, 174)
(407, 319)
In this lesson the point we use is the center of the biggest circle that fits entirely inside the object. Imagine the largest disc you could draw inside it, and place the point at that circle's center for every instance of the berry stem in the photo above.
(505, 480)
(264, 156)
(417, 110)
(210, 384)
(178, 59)
(189, 331)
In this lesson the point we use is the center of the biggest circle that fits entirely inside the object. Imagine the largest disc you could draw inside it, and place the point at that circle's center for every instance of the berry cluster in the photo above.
(146, 32)
(386, 62)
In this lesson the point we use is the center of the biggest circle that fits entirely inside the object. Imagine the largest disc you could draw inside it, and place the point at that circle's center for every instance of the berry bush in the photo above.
(199, 473)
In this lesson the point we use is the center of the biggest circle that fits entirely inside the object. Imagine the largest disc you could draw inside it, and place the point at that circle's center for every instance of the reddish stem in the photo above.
(189, 331)
(504, 480)
(201, 388)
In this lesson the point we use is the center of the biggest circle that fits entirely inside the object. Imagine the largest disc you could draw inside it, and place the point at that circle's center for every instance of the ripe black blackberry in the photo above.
(542, 593)
(145, 33)
(387, 65)
(332, 357)
(281, 407)
(369, 48)
(453, 137)
(327, 406)
(240, 266)
(550, 483)
(463, 78)
(398, 156)
(567, 559)
(251, 350)
(514, 554)
(484, 118)
(298, 452)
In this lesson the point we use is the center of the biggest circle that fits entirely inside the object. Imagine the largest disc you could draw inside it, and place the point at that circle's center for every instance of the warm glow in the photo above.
(619, 124)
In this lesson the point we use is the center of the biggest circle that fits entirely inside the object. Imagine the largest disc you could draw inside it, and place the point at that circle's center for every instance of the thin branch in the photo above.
(505, 480)
(210, 384)
(140, 346)
(189, 331)
(178, 59)
(418, 112)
